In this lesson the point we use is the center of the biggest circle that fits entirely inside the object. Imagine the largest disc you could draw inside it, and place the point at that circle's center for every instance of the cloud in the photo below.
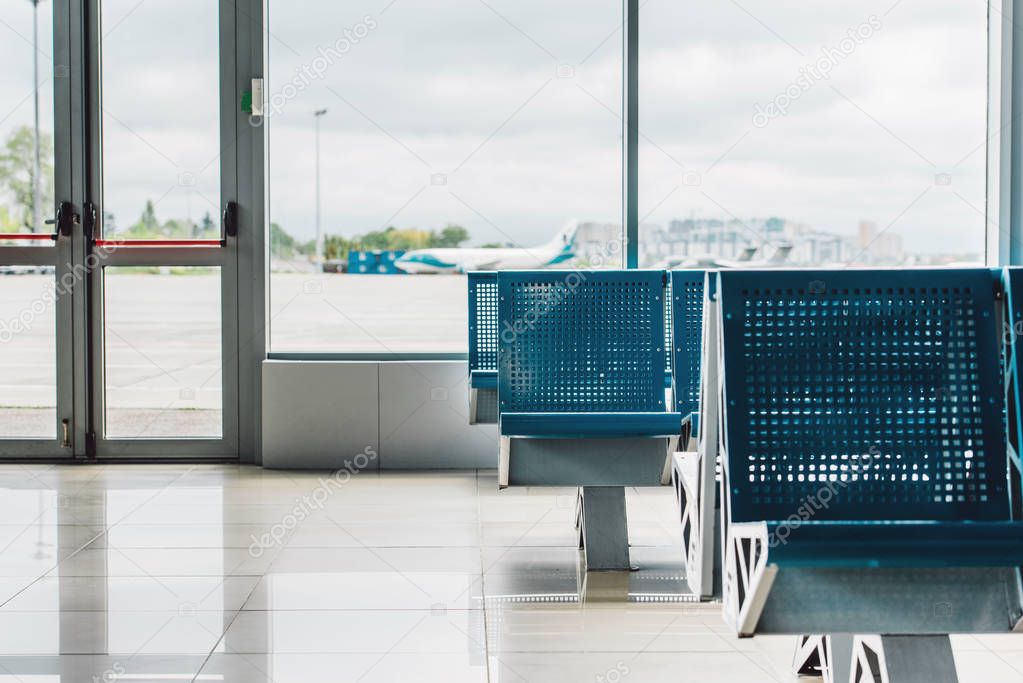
(519, 103)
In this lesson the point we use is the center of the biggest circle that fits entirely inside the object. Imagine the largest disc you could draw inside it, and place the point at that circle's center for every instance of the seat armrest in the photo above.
(590, 425)
(799, 543)
(483, 379)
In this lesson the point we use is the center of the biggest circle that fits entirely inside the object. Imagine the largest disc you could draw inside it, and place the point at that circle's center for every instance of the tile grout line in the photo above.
(223, 634)
(482, 575)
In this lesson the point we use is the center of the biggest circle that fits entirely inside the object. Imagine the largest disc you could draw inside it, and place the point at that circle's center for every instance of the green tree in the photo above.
(336, 247)
(206, 227)
(148, 225)
(391, 238)
(282, 245)
(17, 173)
(177, 228)
(7, 222)
(451, 236)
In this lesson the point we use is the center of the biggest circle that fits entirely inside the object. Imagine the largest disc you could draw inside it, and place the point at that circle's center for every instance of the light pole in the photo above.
(319, 232)
(36, 165)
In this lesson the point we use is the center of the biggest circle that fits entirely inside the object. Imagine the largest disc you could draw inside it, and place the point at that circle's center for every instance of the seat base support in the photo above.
(903, 659)
(829, 657)
(604, 528)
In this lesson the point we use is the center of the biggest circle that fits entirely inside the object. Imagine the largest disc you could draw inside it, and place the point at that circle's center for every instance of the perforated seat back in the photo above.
(667, 327)
(482, 321)
(687, 337)
(863, 395)
(581, 341)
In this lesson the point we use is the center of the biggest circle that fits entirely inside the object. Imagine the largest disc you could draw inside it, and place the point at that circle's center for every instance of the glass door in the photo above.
(37, 282)
(162, 308)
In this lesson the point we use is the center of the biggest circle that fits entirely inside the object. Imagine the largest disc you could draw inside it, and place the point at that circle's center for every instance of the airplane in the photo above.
(745, 260)
(457, 260)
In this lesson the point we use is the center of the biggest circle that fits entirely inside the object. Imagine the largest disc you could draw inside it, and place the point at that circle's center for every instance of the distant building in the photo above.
(729, 238)
(692, 237)
(821, 248)
(879, 248)
(599, 245)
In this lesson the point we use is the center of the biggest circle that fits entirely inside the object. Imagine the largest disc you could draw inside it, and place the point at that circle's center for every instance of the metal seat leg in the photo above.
(605, 529)
(829, 657)
(903, 659)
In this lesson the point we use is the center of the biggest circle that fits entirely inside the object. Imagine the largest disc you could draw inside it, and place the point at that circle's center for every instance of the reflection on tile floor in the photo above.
(235, 574)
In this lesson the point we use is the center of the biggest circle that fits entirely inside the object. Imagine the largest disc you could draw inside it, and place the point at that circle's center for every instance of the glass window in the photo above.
(161, 135)
(827, 134)
(163, 361)
(413, 143)
(28, 348)
(28, 390)
(26, 117)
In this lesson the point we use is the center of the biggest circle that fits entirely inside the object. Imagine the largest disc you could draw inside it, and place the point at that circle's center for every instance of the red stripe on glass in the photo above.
(158, 243)
(28, 236)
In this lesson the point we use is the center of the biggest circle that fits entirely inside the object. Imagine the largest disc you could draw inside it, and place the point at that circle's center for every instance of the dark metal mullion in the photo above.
(65, 152)
(163, 257)
(165, 448)
(29, 256)
(251, 328)
(630, 131)
(90, 347)
(229, 141)
(1013, 58)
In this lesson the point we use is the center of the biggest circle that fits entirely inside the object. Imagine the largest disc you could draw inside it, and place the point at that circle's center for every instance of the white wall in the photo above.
(413, 414)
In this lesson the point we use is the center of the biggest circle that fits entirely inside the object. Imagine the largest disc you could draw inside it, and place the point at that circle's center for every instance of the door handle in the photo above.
(230, 220)
(66, 219)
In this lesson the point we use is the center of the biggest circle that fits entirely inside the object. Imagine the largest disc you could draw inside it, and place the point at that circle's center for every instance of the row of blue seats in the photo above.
(857, 471)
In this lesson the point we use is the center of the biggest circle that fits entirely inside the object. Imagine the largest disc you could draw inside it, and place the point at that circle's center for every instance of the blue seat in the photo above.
(582, 353)
(686, 342)
(581, 390)
(482, 287)
(864, 453)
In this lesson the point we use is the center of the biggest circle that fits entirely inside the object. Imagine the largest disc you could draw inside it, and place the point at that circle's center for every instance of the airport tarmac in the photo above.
(163, 349)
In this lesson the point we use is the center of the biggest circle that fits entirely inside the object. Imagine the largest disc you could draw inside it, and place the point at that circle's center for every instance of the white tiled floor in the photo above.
(235, 574)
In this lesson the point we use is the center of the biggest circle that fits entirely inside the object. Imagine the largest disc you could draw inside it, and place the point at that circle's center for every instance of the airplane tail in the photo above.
(780, 255)
(566, 236)
(747, 254)
(562, 247)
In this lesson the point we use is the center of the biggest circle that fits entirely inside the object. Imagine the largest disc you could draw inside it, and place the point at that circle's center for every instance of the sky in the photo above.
(504, 115)
(473, 90)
